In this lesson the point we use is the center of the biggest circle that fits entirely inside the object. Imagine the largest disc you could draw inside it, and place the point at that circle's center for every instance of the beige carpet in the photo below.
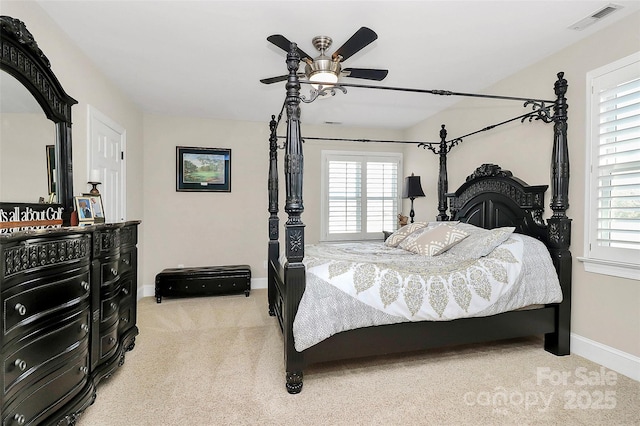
(219, 361)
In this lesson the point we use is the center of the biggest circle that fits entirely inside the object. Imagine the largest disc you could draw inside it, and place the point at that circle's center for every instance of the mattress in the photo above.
(362, 284)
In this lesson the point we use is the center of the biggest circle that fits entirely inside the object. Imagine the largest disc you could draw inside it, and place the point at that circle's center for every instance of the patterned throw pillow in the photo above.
(402, 233)
(481, 241)
(435, 241)
(411, 238)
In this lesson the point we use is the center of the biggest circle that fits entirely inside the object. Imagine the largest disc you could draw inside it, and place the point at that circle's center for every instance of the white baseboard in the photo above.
(612, 358)
(150, 290)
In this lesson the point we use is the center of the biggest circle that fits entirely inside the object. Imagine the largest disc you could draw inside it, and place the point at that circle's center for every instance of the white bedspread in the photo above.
(353, 285)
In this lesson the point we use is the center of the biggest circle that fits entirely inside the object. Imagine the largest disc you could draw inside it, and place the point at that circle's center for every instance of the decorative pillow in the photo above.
(435, 241)
(402, 233)
(408, 241)
(481, 241)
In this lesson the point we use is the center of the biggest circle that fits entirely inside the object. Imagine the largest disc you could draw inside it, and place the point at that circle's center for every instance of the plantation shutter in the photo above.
(345, 197)
(382, 196)
(361, 193)
(617, 163)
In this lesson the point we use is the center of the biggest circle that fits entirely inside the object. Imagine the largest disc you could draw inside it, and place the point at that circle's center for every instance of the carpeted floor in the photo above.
(219, 361)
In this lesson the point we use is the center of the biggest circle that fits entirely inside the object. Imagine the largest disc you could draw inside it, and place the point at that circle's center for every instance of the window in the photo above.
(613, 162)
(360, 194)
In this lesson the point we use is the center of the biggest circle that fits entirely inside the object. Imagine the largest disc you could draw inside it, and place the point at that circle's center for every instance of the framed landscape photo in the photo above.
(203, 169)
(84, 209)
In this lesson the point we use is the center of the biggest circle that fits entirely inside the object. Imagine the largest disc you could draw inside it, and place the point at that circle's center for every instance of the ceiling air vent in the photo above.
(595, 17)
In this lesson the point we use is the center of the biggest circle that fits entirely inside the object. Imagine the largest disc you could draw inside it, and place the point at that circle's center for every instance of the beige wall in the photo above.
(217, 228)
(605, 309)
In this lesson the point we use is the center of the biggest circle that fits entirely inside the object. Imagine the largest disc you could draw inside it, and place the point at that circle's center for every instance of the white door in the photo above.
(106, 155)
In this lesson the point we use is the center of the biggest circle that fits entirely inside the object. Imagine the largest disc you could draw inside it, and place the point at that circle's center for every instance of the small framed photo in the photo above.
(96, 206)
(203, 169)
(83, 207)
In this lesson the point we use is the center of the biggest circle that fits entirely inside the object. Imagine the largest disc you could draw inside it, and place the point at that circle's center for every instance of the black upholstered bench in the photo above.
(203, 281)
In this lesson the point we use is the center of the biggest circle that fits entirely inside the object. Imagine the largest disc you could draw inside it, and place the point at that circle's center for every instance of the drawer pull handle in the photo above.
(85, 285)
(85, 328)
(124, 320)
(21, 309)
(125, 261)
(21, 364)
(114, 271)
(20, 419)
(112, 339)
(113, 305)
(125, 291)
(84, 370)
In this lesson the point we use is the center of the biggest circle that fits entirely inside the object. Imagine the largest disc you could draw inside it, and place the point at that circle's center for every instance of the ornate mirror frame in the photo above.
(21, 57)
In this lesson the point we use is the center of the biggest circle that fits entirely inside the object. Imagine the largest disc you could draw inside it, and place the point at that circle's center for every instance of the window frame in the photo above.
(619, 262)
(364, 157)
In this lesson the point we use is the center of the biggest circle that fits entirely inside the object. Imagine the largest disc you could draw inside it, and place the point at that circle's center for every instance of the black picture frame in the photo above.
(51, 168)
(203, 169)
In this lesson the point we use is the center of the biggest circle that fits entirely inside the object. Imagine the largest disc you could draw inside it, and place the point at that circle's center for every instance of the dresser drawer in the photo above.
(110, 272)
(35, 355)
(109, 308)
(127, 287)
(48, 394)
(127, 317)
(39, 255)
(34, 301)
(106, 241)
(108, 341)
(126, 261)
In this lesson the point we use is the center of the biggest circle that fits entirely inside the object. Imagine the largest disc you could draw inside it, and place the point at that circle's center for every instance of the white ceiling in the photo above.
(205, 58)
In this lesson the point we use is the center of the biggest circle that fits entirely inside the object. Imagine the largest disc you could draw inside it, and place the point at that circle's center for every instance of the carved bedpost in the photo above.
(559, 224)
(294, 269)
(443, 183)
(274, 221)
(560, 160)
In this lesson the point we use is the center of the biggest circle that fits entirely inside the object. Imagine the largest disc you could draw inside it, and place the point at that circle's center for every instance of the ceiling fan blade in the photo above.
(362, 38)
(274, 79)
(279, 78)
(366, 73)
(282, 42)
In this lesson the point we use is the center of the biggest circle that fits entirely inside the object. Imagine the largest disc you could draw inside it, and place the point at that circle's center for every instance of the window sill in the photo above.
(615, 269)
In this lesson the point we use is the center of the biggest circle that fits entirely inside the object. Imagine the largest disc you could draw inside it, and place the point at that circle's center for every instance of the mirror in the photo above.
(25, 134)
(24, 154)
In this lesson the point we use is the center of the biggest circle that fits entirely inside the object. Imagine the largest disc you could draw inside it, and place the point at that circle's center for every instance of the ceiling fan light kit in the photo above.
(323, 70)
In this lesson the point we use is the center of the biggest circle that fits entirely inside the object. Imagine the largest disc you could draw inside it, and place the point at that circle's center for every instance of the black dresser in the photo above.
(68, 298)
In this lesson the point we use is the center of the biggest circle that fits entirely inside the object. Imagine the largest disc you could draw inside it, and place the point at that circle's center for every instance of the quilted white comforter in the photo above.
(360, 284)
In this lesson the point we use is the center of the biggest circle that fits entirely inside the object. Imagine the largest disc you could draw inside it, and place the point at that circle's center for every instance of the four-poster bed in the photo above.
(490, 198)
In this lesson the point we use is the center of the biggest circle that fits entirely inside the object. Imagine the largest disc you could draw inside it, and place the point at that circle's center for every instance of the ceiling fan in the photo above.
(328, 70)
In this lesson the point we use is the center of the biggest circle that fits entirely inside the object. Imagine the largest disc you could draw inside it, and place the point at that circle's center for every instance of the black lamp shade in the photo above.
(412, 187)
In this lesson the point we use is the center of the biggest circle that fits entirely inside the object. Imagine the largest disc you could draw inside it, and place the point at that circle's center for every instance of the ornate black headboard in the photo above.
(492, 198)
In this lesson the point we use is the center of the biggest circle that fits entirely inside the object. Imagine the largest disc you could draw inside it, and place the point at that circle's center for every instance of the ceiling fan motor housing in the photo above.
(323, 68)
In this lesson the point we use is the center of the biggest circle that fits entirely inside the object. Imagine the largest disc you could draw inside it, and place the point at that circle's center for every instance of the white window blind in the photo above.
(360, 193)
(345, 197)
(614, 184)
